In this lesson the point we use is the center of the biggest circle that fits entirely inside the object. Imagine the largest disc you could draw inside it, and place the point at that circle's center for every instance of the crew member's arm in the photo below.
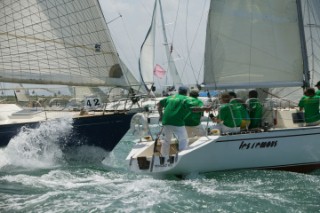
(201, 109)
(160, 110)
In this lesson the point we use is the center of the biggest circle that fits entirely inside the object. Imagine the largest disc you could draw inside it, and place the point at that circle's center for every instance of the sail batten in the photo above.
(253, 44)
(57, 42)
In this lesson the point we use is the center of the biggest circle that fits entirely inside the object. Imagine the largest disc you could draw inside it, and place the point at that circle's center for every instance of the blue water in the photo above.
(42, 178)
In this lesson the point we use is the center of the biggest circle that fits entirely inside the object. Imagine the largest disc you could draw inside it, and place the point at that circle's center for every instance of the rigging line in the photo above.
(112, 20)
(193, 42)
(175, 21)
(132, 49)
(51, 41)
(274, 95)
(201, 68)
(126, 32)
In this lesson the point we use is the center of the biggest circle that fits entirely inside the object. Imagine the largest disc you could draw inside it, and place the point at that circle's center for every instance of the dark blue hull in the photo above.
(103, 131)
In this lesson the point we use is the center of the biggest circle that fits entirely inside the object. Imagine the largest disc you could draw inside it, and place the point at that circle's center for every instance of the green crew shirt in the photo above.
(193, 118)
(311, 108)
(229, 115)
(241, 107)
(318, 92)
(175, 110)
(255, 112)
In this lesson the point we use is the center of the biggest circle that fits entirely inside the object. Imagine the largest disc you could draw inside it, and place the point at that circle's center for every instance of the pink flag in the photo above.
(159, 71)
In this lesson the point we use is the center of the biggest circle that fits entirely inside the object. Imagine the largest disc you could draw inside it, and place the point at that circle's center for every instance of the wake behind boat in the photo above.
(252, 44)
(49, 43)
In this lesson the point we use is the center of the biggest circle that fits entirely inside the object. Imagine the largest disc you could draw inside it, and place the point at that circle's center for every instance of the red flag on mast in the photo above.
(158, 71)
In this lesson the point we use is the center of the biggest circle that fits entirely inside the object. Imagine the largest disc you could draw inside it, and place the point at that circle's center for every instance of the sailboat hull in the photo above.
(104, 131)
(291, 149)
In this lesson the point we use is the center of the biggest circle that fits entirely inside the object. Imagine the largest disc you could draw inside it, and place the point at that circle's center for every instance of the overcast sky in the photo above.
(185, 24)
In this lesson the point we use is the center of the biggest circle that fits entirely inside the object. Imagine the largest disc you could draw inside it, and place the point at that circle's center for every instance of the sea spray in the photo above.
(37, 147)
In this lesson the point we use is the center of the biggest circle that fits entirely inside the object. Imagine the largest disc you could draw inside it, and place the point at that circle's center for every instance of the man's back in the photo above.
(311, 108)
(175, 110)
(230, 115)
(193, 118)
(255, 112)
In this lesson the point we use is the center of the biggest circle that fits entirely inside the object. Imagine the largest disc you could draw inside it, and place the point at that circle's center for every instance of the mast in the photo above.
(172, 67)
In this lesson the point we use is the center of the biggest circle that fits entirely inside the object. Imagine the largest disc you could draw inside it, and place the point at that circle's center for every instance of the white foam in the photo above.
(37, 148)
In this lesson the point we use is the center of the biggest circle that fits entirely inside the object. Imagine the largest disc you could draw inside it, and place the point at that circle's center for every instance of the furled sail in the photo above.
(147, 53)
(253, 44)
(57, 42)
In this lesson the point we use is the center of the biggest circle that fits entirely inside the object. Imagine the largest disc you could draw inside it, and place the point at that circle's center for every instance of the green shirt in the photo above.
(311, 108)
(241, 107)
(255, 112)
(175, 110)
(229, 114)
(193, 118)
(318, 92)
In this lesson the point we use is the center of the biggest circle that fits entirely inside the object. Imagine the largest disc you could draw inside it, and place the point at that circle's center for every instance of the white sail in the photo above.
(57, 42)
(311, 21)
(253, 44)
(311, 16)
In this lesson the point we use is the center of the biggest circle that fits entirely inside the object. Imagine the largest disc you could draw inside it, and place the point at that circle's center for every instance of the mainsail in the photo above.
(253, 44)
(57, 42)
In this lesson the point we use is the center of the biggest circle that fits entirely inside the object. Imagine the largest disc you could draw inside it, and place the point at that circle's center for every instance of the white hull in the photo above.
(296, 149)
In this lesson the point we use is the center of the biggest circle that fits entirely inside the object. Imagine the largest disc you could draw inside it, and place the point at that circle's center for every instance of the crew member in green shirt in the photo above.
(241, 106)
(228, 116)
(176, 108)
(255, 109)
(193, 119)
(310, 104)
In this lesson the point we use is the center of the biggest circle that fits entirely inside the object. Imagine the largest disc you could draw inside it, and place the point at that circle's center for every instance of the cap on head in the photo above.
(183, 90)
(318, 84)
(194, 93)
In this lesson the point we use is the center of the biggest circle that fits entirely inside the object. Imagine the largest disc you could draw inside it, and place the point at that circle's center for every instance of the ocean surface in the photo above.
(37, 176)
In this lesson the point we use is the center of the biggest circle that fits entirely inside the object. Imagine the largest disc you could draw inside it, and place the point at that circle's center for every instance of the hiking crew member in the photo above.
(255, 110)
(310, 104)
(228, 116)
(241, 106)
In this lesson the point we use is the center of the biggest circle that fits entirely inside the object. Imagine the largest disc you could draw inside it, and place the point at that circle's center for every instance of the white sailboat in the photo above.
(250, 44)
(62, 42)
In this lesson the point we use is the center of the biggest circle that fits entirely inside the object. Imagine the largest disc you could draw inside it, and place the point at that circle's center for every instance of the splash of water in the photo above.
(37, 147)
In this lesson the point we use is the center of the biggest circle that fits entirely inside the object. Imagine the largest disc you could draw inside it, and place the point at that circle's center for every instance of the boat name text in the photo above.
(256, 145)
(163, 165)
